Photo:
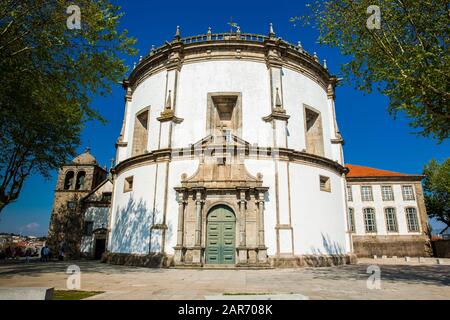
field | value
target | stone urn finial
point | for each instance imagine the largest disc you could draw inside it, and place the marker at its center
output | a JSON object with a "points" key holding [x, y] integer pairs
{"points": [[177, 34], [271, 32]]}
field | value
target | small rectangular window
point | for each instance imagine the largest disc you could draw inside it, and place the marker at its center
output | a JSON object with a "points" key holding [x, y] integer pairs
{"points": [[313, 132], [408, 193], [128, 186], [140, 134], [106, 196], [366, 193], [72, 205], [325, 184], [349, 193], [88, 228], [387, 193]]}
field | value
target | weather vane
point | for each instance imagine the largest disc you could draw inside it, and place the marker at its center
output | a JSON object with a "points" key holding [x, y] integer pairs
{"points": [[233, 25]]}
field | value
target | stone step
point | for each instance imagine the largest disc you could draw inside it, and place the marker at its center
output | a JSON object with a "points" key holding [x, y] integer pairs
{"points": [[225, 267]]}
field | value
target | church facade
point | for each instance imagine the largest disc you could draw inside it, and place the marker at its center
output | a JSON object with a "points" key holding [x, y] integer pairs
{"points": [[230, 154]]}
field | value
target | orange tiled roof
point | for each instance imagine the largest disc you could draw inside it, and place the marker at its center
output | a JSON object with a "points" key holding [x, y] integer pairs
{"points": [[361, 171]]}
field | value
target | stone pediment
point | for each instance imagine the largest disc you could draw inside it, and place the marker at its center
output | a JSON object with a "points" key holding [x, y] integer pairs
{"points": [[221, 167], [221, 140]]}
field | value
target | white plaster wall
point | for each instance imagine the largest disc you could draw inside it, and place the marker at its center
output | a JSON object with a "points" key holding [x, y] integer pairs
{"points": [[177, 168], [318, 217], [99, 215], [297, 91], [379, 205], [250, 78], [198, 79], [135, 212], [132, 212], [150, 93], [87, 244], [267, 169]]}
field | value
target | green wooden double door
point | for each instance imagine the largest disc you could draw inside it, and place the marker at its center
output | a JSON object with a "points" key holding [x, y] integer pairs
{"points": [[221, 236]]}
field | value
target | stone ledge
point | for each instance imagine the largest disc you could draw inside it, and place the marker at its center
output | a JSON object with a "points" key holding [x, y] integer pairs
{"points": [[252, 297], [165, 261], [137, 260], [312, 261], [26, 293]]}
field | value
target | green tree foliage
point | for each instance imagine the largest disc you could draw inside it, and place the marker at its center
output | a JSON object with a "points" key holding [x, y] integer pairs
{"points": [[407, 59], [49, 73], [437, 190]]}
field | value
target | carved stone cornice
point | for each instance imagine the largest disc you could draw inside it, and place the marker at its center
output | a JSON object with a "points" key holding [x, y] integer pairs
{"points": [[248, 152], [277, 114], [274, 48], [338, 141], [377, 180], [175, 57], [128, 89], [332, 87], [120, 142], [169, 115]]}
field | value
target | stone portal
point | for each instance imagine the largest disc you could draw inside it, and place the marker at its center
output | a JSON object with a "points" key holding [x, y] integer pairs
{"points": [[221, 207]]}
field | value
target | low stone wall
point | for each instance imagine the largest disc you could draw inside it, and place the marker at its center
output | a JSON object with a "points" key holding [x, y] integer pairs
{"points": [[312, 261], [400, 246], [165, 261], [137, 260], [441, 248]]}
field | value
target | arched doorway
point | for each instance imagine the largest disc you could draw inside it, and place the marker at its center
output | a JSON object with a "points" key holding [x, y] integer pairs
{"points": [[221, 236]]}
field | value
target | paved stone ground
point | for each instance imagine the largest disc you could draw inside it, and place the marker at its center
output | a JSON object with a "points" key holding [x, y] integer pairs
{"points": [[344, 282]]}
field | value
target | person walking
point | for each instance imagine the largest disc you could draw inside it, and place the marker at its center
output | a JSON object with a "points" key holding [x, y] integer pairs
{"points": [[27, 255], [42, 254], [8, 253], [61, 251], [46, 252]]}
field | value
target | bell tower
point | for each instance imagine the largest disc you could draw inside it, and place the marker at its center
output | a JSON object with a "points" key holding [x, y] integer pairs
{"points": [[75, 181]]}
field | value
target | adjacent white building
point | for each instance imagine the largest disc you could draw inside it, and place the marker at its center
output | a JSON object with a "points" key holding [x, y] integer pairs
{"points": [[386, 213]]}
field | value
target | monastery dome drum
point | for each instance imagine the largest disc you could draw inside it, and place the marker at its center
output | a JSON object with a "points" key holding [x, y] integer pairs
{"points": [[230, 153]]}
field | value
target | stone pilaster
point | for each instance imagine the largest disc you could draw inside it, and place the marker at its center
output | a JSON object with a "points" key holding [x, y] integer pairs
{"points": [[198, 218], [243, 218], [168, 117], [122, 141], [279, 120], [262, 249], [336, 137], [180, 236], [178, 259], [197, 250], [242, 249]]}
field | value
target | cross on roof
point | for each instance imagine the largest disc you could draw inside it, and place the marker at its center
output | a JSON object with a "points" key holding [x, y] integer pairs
{"points": [[232, 25]]}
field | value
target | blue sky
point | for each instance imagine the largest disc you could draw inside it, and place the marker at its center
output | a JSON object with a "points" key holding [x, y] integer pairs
{"points": [[372, 137]]}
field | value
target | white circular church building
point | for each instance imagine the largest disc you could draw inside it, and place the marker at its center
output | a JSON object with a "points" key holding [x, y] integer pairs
{"points": [[229, 154]]}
